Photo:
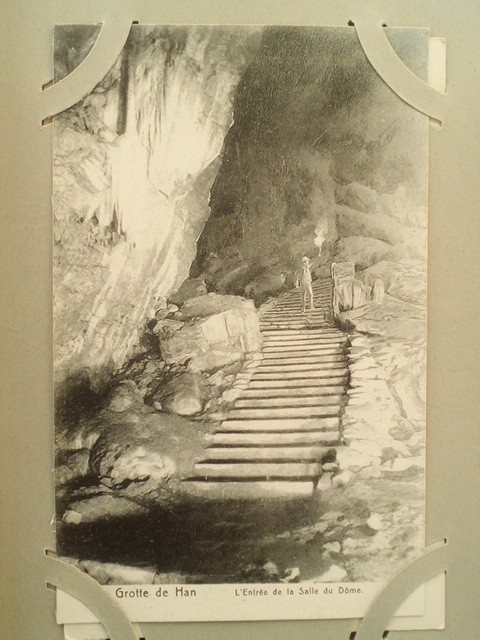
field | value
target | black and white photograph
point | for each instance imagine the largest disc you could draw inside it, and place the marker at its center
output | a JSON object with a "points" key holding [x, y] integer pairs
{"points": [[240, 271]]}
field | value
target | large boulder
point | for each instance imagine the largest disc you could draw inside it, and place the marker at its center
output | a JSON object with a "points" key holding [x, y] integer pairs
{"points": [[265, 286], [232, 279], [101, 507], [147, 461], [365, 252], [122, 405], [166, 326], [402, 207], [218, 331], [191, 288], [74, 467], [209, 305], [184, 395], [374, 227], [406, 280], [357, 196], [124, 396], [356, 223], [226, 274]]}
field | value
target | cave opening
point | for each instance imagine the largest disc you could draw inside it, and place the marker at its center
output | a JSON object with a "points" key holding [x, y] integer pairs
{"points": [[296, 110]]}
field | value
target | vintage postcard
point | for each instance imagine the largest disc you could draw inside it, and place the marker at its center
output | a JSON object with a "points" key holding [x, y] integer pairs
{"points": [[240, 237]]}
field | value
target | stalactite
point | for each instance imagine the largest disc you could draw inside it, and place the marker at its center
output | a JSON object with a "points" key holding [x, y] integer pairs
{"points": [[123, 92], [146, 162]]}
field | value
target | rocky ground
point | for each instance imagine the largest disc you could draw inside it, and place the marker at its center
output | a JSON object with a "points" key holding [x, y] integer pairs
{"points": [[122, 513], [146, 432]]}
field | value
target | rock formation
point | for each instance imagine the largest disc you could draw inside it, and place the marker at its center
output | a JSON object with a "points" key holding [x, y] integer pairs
{"points": [[134, 162], [187, 187], [331, 165]]}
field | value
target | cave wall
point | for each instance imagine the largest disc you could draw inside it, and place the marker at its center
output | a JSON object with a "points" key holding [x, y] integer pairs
{"points": [[133, 165], [263, 144], [322, 159]]}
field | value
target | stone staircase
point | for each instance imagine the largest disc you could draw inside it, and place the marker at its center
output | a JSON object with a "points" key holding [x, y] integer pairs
{"points": [[281, 430]]}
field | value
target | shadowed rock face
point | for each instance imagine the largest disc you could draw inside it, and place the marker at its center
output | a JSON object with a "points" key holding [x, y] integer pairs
{"points": [[321, 155], [127, 450], [134, 162]]}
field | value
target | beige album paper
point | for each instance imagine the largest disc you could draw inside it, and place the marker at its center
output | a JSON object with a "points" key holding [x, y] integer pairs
{"points": [[240, 253]]}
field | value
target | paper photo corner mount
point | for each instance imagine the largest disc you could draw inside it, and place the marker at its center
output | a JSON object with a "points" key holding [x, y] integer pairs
{"points": [[59, 96], [61, 575], [428, 98]]}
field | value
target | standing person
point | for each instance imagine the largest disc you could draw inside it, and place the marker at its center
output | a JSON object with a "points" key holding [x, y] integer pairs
{"points": [[304, 281]]}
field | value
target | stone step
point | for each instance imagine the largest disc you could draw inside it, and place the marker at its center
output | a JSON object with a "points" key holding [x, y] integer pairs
{"points": [[274, 318], [250, 490], [297, 312], [327, 373], [297, 299], [323, 332], [317, 312], [287, 313], [258, 470], [295, 294], [316, 286], [278, 357], [287, 362], [295, 326], [295, 383], [320, 311], [291, 425], [296, 306], [327, 329], [293, 392], [330, 363], [309, 319], [285, 412], [262, 454], [272, 439], [321, 438], [304, 322], [301, 350], [325, 438], [308, 333], [297, 302], [271, 444], [302, 338], [306, 337], [289, 401], [289, 342]]}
